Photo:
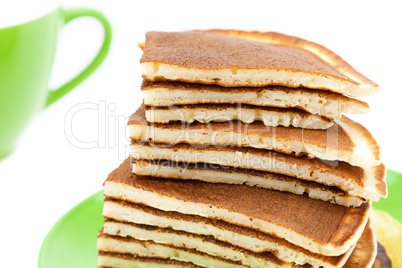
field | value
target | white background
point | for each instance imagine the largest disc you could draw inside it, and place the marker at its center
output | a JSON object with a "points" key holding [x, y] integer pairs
{"points": [[49, 173]]}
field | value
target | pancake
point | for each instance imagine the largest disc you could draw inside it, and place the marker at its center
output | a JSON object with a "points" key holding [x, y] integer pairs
{"points": [[382, 260], [124, 212], [365, 251], [184, 242], [150, 249], [221, 174], [205, 113], [117, 260], [324, 103], [318, 226], [114, 260], [346, 140], [237, 58], [364, 255], [367, 183]]}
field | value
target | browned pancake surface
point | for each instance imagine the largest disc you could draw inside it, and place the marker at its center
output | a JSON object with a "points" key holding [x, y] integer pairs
{"points": [[365, 250], [321, 221], [288, 40], [205, 50], [333, 260]]}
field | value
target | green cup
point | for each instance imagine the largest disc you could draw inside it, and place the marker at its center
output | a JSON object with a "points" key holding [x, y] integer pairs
{"points": [[26, 57]]}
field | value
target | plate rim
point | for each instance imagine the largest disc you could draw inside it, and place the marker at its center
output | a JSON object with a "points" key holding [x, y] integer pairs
{"points": [[60, 221]]}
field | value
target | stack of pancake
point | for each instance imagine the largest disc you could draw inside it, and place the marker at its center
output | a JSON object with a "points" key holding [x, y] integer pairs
{"points": [[242, 157]]}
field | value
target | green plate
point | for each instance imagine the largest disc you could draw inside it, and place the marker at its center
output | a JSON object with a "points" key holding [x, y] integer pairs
{"points": [[72, 240]]}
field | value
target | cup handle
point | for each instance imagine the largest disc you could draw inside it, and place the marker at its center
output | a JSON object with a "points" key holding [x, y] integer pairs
{"points": [[69, 15]]}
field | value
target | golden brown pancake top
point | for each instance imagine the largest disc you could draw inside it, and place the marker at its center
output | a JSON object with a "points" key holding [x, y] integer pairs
{"points": [[320, 221], [288, 40], [205, 50]]}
